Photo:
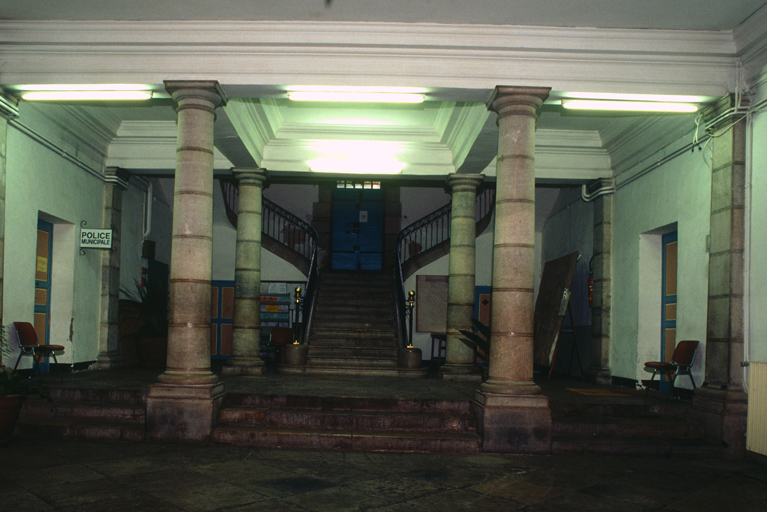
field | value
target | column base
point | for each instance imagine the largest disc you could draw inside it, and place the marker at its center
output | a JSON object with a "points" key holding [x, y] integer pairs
{"points": [[182, 413], [461, 372], [722, 413], [595, 375], [513, 423], [243, 366], [108, 360]]}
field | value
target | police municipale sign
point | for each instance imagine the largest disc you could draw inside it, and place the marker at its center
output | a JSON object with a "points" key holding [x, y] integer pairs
{"points": [[96, 238]]}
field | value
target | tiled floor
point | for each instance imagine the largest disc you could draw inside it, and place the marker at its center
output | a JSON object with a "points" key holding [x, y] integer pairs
{"points": [[67, 475]]}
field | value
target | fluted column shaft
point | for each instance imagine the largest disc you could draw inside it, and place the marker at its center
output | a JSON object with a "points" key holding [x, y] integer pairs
{"points": [[460, 359], [192, 244], [247, 275], [109, 338], [511, 352]]}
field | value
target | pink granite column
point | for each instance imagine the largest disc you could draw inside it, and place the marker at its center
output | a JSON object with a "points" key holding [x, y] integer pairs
{"points": [[184, 404], [246, 329], [460, 360], [513, 415], [115, 182]]}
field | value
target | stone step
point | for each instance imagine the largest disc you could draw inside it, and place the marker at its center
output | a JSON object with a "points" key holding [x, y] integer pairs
{"points": [[361, 351], [354, 332], [634, 446], [125, 396], [81, 429], [352, 361], [102, 410], [348, 440], [632, 410], [347, 403], [314, 369], [620, 427], [361, 321], [346, 420]]}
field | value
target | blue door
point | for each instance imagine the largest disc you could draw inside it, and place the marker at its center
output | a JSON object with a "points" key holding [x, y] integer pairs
{"points": [[42, 311], [357, 239], [668, 300]]}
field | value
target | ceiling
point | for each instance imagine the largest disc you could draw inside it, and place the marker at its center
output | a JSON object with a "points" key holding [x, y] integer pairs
{"points": [[646, 14], [448, 133]]}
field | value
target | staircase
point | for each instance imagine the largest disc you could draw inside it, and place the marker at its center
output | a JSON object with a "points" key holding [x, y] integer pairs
{"points": [[656, 429], [347, 424], [86, 413], [354, 327]]}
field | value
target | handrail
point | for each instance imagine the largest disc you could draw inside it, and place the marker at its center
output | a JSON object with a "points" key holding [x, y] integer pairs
{"points": [[427, 233], [289, 231], [434, 228]]}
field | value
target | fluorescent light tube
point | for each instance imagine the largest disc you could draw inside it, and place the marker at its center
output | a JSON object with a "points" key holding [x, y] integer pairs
{"points": [[86, 95], [361, 97], [629, 106]]}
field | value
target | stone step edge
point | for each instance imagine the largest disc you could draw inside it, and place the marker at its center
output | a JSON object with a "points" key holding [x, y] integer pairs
{"points": [[351, 403], [355, 412], [635, 446]]}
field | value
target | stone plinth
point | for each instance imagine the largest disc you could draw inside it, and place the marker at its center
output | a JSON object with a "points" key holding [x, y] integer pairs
{"points": [[513, 424], [182, 413], [409, 357]]}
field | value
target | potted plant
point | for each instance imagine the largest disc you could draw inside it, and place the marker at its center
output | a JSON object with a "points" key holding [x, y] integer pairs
{"points": [[13, 389]]}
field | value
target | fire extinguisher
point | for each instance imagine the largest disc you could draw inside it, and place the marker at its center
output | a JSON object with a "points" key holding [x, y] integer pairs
{"points": [[591, 282]]}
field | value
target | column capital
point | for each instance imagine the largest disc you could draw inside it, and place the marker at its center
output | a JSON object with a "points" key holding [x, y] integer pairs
{"points": [[208, 90], [250, 175], [457, 180], [524, 100], [116, 176]]}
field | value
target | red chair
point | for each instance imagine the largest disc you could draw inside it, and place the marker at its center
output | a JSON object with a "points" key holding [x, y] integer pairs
{"points": [[28, 345], [680, 364]]}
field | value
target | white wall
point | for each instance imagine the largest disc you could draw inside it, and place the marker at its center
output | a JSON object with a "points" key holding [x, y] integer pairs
{"points": [[676, 195], [41, 183]]}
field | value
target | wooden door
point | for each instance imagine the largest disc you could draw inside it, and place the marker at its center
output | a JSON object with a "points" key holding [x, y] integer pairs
{"points": [[668, 298], [42, 312]]}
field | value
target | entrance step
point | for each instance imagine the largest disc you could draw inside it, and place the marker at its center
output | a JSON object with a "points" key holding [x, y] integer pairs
{"points": [[347, 424], [629, 428], [117, 415]]}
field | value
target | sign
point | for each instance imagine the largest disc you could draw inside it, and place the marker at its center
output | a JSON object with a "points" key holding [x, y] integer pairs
{"points": [[96, 238]]}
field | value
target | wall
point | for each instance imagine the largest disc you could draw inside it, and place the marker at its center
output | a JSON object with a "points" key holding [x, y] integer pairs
{"points": [[676, 195], [42, 183]]}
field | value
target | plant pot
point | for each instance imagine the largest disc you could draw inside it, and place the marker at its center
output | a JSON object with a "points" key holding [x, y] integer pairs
{"points": [[410, 357], [10, 406], [152, 352], [295, 354]]}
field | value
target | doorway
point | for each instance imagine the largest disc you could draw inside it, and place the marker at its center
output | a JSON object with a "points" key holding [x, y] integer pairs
{"points": [[358, 226]]}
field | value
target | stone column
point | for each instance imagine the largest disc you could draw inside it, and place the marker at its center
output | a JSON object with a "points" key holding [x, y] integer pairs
{"points": [[184, 404], [599, 367], [720, 404], [512, 414], [8, 111], [460, 360], [115, 182], [246, 329]]}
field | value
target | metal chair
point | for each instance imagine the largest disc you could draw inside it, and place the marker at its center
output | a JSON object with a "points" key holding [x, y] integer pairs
{"points": [[29, 345], [680, 364]]}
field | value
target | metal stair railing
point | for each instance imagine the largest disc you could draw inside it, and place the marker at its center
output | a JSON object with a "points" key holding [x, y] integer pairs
{"points": [[289, 231], [427, 234]]}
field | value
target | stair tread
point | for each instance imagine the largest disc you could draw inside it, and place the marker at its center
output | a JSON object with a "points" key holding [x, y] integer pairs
{"points": [[354, 433]]}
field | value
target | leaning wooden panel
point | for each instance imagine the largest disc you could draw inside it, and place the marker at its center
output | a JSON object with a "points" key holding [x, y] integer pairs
{"points": [[551, 306]]}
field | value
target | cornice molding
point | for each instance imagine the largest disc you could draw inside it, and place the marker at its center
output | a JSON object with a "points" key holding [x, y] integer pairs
{"points": [[474, 57]]}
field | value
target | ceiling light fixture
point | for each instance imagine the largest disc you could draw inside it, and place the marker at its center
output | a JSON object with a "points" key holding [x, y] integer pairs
{"points": [[629, 106], [356, 166], [79, 95], [668, 98], [359, 97]]}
